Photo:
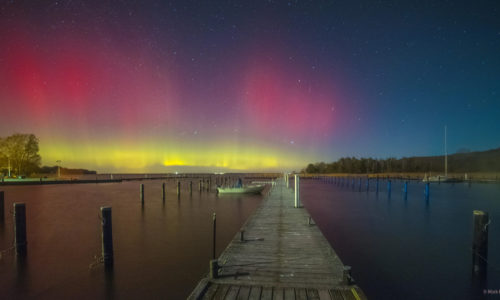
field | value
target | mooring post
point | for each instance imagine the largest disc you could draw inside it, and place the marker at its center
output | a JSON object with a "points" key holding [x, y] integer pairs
{"points": [[376, 185], [426, 191], [297, 191], [214, 223], [405, 189], [178, 188], [200, 186], [347, 277], [2, 207], [107, 236], [214, 269], [190, 187], [163, 192], [367, 184], [20, 240], [141, 192], [480, 242], [359, 184], [389, 188]]}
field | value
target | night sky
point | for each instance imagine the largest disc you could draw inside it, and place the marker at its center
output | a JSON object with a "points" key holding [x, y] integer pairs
{"points": [[156, 86]]}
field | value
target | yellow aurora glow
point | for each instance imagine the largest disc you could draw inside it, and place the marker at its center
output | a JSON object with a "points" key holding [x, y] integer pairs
{"points": [[168, 157]]}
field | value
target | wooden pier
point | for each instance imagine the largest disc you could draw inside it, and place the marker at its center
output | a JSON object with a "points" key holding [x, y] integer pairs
{"points": [[280, 255]]}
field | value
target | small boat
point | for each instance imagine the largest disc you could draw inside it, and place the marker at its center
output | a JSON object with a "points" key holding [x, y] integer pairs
{"points": [[442, 178], [250, 189]]}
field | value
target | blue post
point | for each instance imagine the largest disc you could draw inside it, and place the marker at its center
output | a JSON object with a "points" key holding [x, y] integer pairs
{"points": [[426, 192], [389, 188], [405, 189]]}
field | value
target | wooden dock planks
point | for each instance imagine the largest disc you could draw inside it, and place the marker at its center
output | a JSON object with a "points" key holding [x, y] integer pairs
{"points": [[282, 257]]}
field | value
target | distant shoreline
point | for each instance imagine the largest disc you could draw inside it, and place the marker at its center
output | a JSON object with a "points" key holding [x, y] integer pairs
{"points": [[473, 176]]}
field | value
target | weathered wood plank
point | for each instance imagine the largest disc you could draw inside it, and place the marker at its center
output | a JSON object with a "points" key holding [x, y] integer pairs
{"points": [[243, 293], [278, 294], [255, 293], [289, 293], [232, 293], [267, 293], [312, 294], [221, 292]]}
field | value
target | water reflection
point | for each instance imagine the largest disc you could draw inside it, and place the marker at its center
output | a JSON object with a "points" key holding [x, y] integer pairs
{"points": [[408, 243], [161, 247]]}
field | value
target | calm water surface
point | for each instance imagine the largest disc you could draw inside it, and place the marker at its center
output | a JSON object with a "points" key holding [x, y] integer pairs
{"points": [[398, 249], [161, 251], [408, 249]]}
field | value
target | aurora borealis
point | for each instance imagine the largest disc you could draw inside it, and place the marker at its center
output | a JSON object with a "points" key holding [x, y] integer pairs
{"points": [[156, 86]]}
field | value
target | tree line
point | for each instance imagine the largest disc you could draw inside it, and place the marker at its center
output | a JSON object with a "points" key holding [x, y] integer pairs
{"points": [[19, 154], [484, 161]]}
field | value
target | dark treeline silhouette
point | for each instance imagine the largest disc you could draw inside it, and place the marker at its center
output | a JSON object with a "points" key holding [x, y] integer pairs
{"points": [[483, 161], [65, 171]]}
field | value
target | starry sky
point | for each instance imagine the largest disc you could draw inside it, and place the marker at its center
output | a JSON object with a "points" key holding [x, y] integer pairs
{"points": [[160, 86]]}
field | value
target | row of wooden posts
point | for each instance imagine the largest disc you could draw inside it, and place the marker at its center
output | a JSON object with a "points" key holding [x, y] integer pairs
{"points": [[481, 221], [479, 244], [344, 181]]}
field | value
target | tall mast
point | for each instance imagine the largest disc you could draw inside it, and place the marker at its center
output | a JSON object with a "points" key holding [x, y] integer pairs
{"points": [[445, 155]]}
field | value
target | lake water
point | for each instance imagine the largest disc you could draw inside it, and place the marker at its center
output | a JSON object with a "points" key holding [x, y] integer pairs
{"points": [[161, 251], [408, 249], [398, 249]]}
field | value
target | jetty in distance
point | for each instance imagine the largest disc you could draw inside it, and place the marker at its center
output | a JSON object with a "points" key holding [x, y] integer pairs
{"points": [[278, 254]]}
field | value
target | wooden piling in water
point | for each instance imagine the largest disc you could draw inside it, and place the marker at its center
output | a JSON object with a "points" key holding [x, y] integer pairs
{"points": [[190, 187], [107, 236], [141, 192], [2, 207], [178, 188], [214, 238], [480, 243], [163, 192], [20, 240]]}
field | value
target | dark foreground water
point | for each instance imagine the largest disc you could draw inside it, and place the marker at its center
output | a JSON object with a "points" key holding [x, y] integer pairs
{"points": [[409, 249], [398, 249], [161, 251]]}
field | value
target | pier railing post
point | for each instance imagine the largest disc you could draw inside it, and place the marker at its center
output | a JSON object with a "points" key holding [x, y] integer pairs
{"points": [[20, 240], [297, 191], [107, 236], [480, 243]]}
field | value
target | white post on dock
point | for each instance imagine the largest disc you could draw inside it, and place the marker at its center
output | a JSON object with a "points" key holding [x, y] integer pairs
{"points": [[297, 191]]}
